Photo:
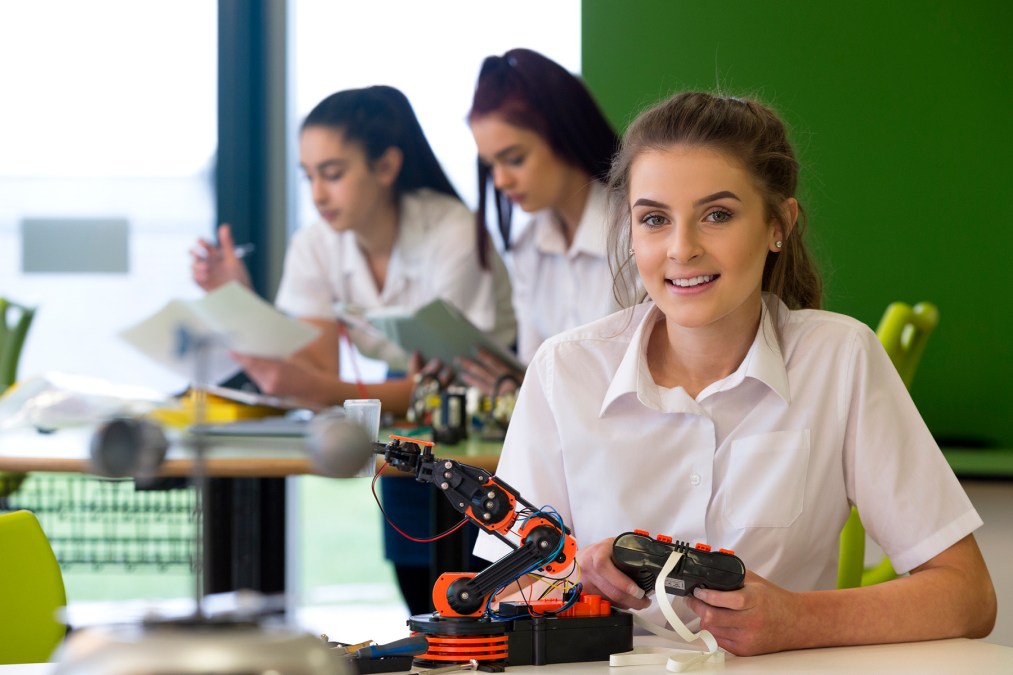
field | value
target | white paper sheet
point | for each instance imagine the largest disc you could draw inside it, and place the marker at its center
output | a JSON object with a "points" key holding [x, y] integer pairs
{"points": [[232, 317]]}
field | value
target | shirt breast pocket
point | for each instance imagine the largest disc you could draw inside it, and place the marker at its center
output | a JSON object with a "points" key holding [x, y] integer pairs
{"points": [[767, 478]]}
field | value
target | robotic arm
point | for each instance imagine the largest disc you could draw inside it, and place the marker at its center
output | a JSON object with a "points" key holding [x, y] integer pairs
{"points": [[545, 542]]}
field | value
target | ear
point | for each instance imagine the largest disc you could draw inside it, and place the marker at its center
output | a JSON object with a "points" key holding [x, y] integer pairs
{"points": [[387, 166], [784, 226]]}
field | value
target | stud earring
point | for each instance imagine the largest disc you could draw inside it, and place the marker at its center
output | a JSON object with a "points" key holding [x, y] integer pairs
{"points": [[631, 251], [778, 244]]}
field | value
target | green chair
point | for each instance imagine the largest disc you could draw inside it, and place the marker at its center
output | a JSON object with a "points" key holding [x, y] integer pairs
{"points": [[31, 591], [15, 320], [903, 330]]}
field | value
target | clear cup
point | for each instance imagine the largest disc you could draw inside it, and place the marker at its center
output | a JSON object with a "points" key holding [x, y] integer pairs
{"points": [[366, 413]]}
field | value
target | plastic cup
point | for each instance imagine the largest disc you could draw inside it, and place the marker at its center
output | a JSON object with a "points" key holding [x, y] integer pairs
{"points": [[366, 413]]}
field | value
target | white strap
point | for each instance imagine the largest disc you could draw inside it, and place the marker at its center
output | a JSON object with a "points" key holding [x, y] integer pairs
{"points": [[675, 660]]}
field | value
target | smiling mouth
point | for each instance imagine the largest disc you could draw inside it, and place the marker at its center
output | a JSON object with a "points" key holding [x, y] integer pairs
{"points": [[693, 281]]}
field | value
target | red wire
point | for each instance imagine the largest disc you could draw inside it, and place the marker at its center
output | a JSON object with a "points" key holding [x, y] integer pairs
{"points": [[343, 331], [399, 530]]}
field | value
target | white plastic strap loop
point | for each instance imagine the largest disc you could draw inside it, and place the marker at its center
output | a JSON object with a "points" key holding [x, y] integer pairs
{"points": [[675, 660]]}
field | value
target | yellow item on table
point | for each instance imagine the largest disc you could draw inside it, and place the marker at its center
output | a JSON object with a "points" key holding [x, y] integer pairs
{"points": [[217, 410]]}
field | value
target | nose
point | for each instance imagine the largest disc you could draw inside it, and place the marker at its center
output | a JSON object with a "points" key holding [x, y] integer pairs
{"points": [[684, 244], [317, 191], [500, 177]]}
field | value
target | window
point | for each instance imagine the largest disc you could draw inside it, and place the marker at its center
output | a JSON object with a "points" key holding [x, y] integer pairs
{"points": [[108, 132]]}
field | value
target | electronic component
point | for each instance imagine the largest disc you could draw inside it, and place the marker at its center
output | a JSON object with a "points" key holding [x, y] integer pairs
{"points": [[464, 627], [641, 558]]}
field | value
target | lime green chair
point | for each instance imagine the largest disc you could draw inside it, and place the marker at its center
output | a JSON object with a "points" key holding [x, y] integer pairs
{"points": [[15, 320], [31, 591], [903, 330]]}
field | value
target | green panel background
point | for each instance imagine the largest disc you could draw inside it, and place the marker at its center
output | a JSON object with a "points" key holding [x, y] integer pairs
{"points": [[902, 114]]}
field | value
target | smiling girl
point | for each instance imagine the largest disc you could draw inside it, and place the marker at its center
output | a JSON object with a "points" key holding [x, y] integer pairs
{"points": [[392, 233], [730, 409]]}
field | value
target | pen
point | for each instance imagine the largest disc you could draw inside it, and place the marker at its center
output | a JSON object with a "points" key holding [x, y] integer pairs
{"points": [[244, 250], [241, 251]]}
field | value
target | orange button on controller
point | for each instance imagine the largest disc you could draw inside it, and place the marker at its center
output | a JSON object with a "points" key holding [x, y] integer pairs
{"points": [[703, 547], [664, 538]]}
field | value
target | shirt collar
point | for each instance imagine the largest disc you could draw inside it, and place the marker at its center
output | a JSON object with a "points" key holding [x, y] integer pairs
{"points": [[768, 365], [763, 362], [409, 237], [590, 235]]}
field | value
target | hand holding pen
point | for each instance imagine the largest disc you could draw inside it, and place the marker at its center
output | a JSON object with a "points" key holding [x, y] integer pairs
{"points": [[214, 266]]}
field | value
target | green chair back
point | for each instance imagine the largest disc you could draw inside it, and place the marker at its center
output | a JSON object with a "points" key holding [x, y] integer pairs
{"points": [[903, 331], [31, 591], [15, 321]]}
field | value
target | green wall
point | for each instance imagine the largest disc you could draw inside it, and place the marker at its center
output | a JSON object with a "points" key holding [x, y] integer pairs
{"points": [[902, 114]]}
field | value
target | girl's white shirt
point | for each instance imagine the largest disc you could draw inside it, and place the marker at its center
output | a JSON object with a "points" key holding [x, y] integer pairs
{"points": [[766, 461], [557, 288], [434, 256]]}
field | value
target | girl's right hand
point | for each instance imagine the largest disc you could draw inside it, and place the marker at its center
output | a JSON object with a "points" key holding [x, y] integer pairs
{"points": [[214, 266], [601, 577]]}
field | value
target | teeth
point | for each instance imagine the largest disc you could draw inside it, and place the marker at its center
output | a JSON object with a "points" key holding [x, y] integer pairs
{"points": [[694, 281]]}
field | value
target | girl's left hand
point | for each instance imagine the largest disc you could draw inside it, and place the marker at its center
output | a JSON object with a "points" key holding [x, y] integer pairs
{"points": [[759, 618], [484, 371]]}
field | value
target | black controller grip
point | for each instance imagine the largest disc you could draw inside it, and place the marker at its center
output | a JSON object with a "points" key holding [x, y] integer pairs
{"points": [[641, 558]]}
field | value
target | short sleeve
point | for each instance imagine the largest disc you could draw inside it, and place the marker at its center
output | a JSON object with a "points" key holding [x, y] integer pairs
{"points": [[910, 501], [304, 290]]}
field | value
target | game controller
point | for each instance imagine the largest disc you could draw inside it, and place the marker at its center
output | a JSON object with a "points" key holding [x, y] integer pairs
{"points": [[641, 558]]}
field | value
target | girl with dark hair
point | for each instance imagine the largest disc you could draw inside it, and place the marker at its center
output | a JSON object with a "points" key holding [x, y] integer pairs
{"points": [[730, 409], [392, 233], [545, 146]]}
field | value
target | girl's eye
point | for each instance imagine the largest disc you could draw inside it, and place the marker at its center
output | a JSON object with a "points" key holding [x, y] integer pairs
{"points": [[514, 161], [333, 176], [719, 216], [653, 220]]}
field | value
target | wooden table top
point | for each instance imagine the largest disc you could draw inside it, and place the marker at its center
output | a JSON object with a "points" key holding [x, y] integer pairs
{"points": [[66, 450]]}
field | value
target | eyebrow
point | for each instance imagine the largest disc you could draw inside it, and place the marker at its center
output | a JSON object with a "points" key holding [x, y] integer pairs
{"points": [[327, 164], [650, 203], [506, 151], [716, 196]]}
